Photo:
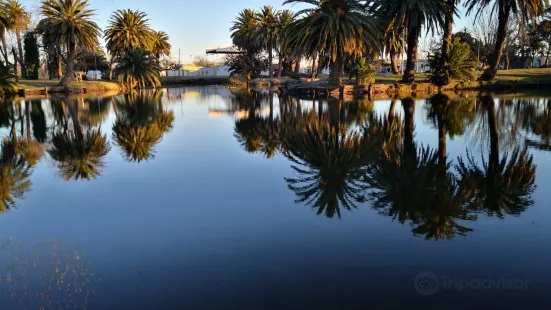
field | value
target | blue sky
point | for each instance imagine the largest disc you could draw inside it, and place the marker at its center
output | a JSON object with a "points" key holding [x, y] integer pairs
{"points": [[191, 24]]}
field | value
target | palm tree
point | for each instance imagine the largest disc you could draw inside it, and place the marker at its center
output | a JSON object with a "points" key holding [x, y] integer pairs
{"points": [[504, 184], [128, 30], [14, 175], [7, 80], [72, 20], [338, 27], [160, 45], [52, 45], [525, 10], [79, 154], [243, 30], [4, 26], [19, 20], [412, 16], [267, 32], [286, 17], [138, 68]]}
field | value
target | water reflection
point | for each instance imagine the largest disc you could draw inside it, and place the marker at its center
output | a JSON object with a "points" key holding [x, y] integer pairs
{"points": [[140, 124], [78, 153], [347, 155]]}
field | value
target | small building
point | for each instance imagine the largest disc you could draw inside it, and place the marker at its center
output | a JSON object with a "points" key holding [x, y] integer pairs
{"points": [[93, 75]]}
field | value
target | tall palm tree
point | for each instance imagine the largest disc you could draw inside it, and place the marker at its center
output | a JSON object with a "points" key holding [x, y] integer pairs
{"points": [[19, 20], [51, 43], [160, 45], [137, 68], [339, 27], [14, 175], [285, 18], [524, 10], [448, 31], [79, 154], [128, 30], [72, 20], [412, 16], [243, 29], [5, 24], [504, 184], [267, 32]]}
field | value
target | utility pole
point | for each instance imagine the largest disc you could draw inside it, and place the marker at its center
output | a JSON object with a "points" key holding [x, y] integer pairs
{"points": [[179, 59]]}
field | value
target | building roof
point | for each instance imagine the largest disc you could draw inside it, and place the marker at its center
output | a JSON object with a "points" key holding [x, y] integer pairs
{"points": [[223, 50]]}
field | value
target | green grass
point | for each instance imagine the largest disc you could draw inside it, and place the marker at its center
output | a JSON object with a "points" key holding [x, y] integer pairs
{"points": [[536, 75]]}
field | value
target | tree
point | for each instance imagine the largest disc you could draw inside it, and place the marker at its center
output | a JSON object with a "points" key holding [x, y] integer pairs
{"points": [[8, 84], [92, 61], [414, 15], [73, 22], [338, 27], [19, 20], [128, 30], [138, 68], [285, 18], [460, 64], [525, 10], [203, 62], [5, 24], [52, 47], [160, 45], [243, 30], [267, 32], [32, 56], [250, 65]]}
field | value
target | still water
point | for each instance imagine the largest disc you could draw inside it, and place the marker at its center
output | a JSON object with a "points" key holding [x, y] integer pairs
{"points": [[211, 198]]}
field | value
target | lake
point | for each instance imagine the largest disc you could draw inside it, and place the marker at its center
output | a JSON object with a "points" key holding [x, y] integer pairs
{"points": [[216, 198]]}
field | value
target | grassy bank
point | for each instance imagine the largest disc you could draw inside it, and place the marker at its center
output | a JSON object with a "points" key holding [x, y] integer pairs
{"points": [[43, 87], [195, 80]]}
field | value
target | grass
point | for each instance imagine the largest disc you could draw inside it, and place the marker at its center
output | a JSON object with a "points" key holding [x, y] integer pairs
{"points": [[30, 84], [535, 75]]}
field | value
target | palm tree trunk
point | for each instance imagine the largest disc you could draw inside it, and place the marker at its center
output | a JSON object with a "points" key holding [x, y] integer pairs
{"points": [[442, 133], [4, 46], [279, 65], [394, 63], [28, 119], [504, 8], [21, 57], [270, 59], [67, 78], [413, 44], [335, 74], [313, 70], [297, 65], [409, 110], [448, 28], [391, 111], [72, 105]]}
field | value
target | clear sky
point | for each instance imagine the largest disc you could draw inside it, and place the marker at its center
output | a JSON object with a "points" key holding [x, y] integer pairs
{"points": [[191, 24]]}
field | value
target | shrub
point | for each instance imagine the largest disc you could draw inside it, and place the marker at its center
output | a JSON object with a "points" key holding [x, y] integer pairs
{"points": [[461, 65]]}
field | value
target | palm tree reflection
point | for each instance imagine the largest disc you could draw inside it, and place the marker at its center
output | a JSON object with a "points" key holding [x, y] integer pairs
{"points": [[328, 163], [15, 172], [504, 183], [79, 153], [412, 184], [140, 125]]}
